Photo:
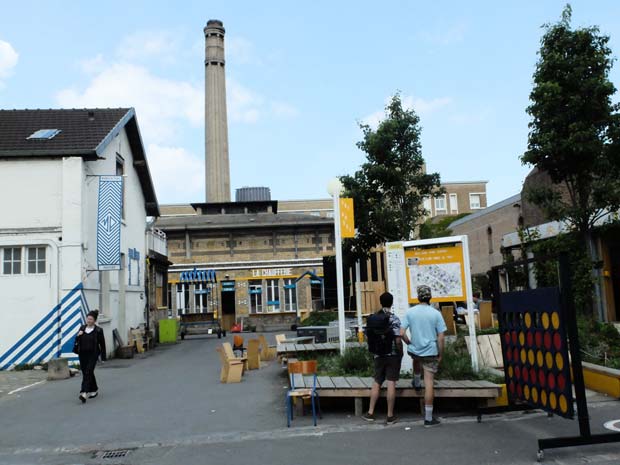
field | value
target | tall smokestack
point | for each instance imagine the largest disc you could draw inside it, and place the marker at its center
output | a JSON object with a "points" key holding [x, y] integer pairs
{"points": [[217, 165]]}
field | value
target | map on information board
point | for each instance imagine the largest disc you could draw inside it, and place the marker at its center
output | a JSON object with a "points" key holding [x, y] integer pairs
{"points": [[444, 279], [441, 268]]}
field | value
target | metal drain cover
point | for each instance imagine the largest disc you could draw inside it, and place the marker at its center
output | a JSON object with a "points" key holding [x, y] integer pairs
{"points": [[114, 454]]}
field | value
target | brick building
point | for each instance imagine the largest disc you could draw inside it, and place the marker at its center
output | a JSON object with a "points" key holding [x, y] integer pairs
{"points": [[269, 264]]}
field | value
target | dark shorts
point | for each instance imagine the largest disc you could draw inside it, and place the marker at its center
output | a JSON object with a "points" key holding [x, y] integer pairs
{"points": [[428, 363], [387, 368]]}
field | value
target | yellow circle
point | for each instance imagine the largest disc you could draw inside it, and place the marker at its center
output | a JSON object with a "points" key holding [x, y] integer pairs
{"points": [[521, 338], [563, 403], [555, 320], [540, 359], [528, 320], [559, 361], [526, 392], [549, 360], [553, 400], [510, 372], [535, 395], [545, 320], [543, 398], [523, 356], [530, 357]]}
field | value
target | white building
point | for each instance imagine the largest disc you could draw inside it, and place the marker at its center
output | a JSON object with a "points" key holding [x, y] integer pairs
{"points": [[50, 161]]}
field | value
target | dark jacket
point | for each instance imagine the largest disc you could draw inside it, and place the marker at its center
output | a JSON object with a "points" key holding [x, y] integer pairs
{"points": [[100, 344]]}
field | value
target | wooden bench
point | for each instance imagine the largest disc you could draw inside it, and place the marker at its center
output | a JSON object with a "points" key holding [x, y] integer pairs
{"points": [[358, 388]]}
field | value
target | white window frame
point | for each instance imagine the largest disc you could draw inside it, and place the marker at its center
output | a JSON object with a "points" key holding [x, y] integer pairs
{"points": [[290, 295], [428, 205], [445, 203], [273, 294], [254, 286], [12, 261], [454, 203], [479, 195]]}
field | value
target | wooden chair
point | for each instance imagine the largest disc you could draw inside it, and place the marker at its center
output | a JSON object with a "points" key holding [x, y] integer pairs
{"points": [[228, 350], [308, 367], [253, 354], [232, 370], [485, 315], [267, 352], [448, 316], [238, 344]]}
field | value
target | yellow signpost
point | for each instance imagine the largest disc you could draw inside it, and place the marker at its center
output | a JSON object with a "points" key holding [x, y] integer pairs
{"points": [[347, 220]]}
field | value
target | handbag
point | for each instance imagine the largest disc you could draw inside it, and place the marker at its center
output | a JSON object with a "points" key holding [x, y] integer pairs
{"points": [[76, 342]]}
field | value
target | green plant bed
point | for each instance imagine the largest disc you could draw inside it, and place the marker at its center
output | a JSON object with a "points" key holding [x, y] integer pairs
{"points": [[319, 318], [463, 330], [456, 364], [600, 342]]}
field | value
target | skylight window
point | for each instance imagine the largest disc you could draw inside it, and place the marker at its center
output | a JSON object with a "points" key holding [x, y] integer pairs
{"points": [[44, 134]]}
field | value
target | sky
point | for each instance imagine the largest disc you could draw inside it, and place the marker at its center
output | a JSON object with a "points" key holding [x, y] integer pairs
{"points": [[300, 78]]}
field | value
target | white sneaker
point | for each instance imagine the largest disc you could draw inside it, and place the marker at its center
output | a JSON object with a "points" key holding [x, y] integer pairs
{"points": [[92, 395]]}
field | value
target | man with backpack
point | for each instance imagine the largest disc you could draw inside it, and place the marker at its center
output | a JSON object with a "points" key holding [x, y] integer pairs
{"points": [[384, 342]]}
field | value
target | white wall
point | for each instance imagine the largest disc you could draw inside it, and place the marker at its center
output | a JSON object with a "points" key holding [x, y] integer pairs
{"points": [[54, 203]]}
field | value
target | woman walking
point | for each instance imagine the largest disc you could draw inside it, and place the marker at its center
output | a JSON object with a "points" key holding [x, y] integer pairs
{"points": [[89, 345]]}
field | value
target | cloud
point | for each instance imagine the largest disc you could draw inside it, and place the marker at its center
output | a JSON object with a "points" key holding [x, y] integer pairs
{"points": [[8, 59], [170, 164], [145, 45], [241, 51], [284, 109], [423, 107], [92, 65], [161, 104]]}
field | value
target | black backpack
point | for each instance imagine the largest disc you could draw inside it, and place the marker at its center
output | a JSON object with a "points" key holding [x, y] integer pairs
{"points": [[379, 333]]}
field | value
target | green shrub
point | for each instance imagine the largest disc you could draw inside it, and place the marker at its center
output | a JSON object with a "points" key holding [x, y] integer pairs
{"points": [[456, 364], [600, 342], [320, 318]]}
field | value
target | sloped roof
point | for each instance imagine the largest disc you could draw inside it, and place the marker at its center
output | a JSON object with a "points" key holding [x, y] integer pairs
{"points": [[234, 221], [83, 133]]}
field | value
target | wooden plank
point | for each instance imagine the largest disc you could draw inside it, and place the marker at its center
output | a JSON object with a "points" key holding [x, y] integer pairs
{"points": [[367, 381], [486, 351], [340, 382], [487, 393], [325, 382], [496, 345], [403, 384], [486, 384], [445, 384], [355, 382], [470, 384], [298, 379]]}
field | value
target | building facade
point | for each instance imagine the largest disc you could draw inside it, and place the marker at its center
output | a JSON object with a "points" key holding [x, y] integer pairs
{"points": [[485, 230], [50, 161], [269, 265], [460, 197]]}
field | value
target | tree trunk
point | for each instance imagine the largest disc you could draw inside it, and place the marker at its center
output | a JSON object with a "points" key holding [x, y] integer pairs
{"points": [[598, 299]]}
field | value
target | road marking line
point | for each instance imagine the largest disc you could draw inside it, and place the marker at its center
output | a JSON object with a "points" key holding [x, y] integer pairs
{"points": [[24, 387], [613, 425]]}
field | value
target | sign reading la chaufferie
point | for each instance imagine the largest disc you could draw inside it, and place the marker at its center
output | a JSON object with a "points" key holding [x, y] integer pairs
{"points": [[271, 272]]}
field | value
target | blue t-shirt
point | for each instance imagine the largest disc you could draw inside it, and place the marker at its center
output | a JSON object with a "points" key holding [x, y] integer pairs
{"points": [[424, 324]]}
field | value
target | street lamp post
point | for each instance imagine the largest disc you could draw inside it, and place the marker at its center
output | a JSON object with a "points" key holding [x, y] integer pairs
{"points": [[334, 188]]}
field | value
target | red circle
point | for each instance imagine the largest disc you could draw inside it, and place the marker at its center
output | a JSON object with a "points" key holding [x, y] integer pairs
{"points": [[530, 339], [541, 378], [514, 338], [519, 391], [547, 341], [509, 355], [511, 387], [539, 338], [557, 341], [533, 375], [507, 338], [526, 375], [518, 372], [561, 382], [515, 355], [551, 381]]}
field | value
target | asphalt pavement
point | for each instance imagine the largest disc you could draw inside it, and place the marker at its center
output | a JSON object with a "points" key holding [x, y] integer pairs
{"points": [[168, 407]]}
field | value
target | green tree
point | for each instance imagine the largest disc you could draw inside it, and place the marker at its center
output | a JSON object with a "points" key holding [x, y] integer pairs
{"points": [[438, 227], [389, 188], [575, 131]]}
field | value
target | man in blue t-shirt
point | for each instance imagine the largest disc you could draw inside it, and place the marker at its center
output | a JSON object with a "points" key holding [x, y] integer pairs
{"points": [[427, 329]]}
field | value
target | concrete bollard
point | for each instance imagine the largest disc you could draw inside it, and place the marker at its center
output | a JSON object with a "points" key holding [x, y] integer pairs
{"points": [[58, 368]]}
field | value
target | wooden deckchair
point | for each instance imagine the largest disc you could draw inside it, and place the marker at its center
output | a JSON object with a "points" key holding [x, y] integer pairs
{"points": [[267, 352], [253, 354], [232, 370], [228, 350]]}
